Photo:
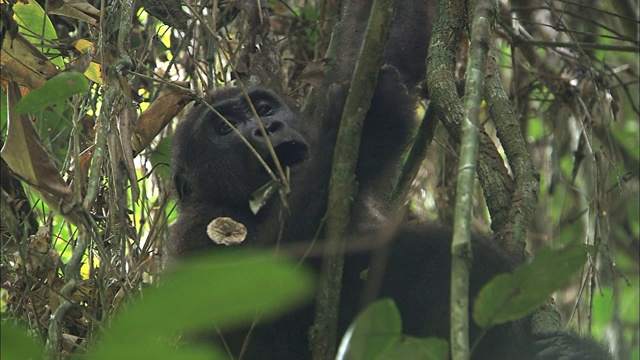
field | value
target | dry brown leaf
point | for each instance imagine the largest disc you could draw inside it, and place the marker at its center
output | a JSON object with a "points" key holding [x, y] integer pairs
{"points": [[127, 117], [22, 62], [169, 12], [82, 63], [313, 73], [127, 90], [77, 9], [7, 22], [169, 103], [43, 258], [28, 158]]}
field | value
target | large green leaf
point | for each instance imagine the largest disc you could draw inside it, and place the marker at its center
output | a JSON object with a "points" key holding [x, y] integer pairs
{"points": [[377, 334], [17, 344], [38, 28], [372, 332], [203, 294], [58, 88], [510, 297]]}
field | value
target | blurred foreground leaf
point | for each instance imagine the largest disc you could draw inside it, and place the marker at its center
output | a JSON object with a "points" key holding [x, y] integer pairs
{"points": [[17, 344], [205, 293]]}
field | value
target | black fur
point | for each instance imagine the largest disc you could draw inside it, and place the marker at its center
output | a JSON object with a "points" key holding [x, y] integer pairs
{"points": [[558, 345], [215, 175]]}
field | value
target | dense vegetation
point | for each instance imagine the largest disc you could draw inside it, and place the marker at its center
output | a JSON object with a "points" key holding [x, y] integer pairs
{"points": [[91, 93]]}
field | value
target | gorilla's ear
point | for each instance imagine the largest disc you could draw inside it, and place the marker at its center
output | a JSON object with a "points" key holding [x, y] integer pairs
{"points": [[181, 185]]}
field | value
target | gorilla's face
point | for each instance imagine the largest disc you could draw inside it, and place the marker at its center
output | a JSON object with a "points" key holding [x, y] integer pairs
{"points": [[221, 145]]}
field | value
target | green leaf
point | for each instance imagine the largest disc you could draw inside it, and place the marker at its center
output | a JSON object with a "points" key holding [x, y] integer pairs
{"points": [[58, 88], [161, 158], [38, 28], [490, 301], [411, 348], [372, 332], [216, 290], [4, 105], [17, 344], [510, 297], [377, 334]]}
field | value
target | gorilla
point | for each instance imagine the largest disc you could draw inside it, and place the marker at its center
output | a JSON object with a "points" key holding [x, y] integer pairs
{"points": [[221, 158]]}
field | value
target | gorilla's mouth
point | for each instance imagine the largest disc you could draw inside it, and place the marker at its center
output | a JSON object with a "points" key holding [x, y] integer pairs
{"points": [[289, 153]]}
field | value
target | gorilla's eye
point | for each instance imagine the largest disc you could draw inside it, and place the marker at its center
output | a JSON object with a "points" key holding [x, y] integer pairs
{"points": [[264, 108], [223, 128]]}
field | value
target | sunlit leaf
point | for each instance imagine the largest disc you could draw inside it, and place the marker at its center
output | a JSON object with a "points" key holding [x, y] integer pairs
{"points": [[37, 27], [94, 70], [169, 103]]}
